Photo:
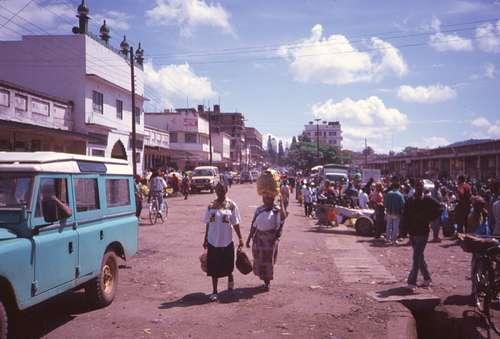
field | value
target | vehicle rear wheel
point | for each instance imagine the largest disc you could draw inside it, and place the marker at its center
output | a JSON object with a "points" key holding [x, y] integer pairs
{"points": [[364, 226], [3, 321], [101, 290], [153, 214]]}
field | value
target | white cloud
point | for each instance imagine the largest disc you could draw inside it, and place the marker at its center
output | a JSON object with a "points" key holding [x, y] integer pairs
{"points": [[432, 142], [115, 20], [49, 19], [176, 82], [488, 37], [334, 60], [463, 7], [189, 14], [426, 94], [489, 70], [365, 118], [443, 42], [486, 128]]}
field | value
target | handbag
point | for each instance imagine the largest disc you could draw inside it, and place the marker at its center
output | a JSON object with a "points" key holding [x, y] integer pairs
{"points": [[243, 263], [203, 262]]}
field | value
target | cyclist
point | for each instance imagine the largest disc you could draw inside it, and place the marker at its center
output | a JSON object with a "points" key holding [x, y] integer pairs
{"points": [[157, 186]]}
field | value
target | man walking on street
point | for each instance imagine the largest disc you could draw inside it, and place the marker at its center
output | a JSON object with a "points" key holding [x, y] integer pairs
{"points": [[393, 203], [464, 195], [419, 211]]}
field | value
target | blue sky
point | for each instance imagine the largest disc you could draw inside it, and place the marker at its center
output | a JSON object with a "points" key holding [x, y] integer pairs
{"points": [[421, 73]]}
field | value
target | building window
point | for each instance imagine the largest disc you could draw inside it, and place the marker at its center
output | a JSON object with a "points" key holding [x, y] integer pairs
{"points": [[21, 103], [119, 109], [36, 145], [190, 138], [86, 194], [40, 107], [173, 136], [4, 98], [97, 102], [137, 112], [117, 192], [97, 152]]}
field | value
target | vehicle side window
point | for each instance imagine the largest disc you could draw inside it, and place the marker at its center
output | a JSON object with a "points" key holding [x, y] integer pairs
{"points": [[86, 194], [117, 192], [49, 187]]}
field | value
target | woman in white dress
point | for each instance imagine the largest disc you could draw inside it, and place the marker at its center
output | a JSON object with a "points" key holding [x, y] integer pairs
{"points": [[221, 217]]}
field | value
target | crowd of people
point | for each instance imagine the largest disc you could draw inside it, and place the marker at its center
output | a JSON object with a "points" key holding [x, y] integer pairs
{"points": [[411, 208]]}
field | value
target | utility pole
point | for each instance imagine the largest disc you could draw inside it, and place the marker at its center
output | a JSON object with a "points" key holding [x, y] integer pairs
{"points": [[317, 136], [132, 82], [366, 153], [210, 133]]}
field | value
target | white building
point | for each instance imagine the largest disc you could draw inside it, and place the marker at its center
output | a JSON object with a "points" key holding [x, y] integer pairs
{"points": [[91, 75], [189, 137], [156, 148], [32, 121], [327, 132]]}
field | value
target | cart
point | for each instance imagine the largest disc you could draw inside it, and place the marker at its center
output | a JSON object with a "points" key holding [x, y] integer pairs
{"points": [[362, 218]]}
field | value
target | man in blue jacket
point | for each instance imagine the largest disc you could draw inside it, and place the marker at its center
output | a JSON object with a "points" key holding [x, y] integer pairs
{"points": [[393, 203]]}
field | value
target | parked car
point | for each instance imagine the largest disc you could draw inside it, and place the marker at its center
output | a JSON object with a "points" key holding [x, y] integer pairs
{"points": [[247, 177], [205, 178], [65, 220]]}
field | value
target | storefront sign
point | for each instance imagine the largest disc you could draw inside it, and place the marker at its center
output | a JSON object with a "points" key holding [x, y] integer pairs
{"points": [[190, 122]]}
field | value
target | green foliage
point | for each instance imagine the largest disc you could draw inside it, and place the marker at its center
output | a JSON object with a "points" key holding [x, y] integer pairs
{"points": [[304, 155]]}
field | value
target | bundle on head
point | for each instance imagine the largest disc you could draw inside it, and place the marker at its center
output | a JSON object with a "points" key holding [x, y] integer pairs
{"points": [[268, 183]]}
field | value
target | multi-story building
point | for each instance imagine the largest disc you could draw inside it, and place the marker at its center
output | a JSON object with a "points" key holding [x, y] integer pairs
{"points": [[253, 139], [232, 123], [34, 121], [85, 70], [478, 159], [326, 132], [188, 130], [156, 148]]}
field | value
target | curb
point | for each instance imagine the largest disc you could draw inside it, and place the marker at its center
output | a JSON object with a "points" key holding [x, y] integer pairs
{"points": [[403, 324]]}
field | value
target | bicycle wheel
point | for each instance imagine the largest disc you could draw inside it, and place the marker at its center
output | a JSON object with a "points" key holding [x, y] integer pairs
{"points": [[481, 283], [492, 311], [153, 213]]}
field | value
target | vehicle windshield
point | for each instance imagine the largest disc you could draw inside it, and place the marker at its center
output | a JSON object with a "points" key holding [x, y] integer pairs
{"points": [[203, 173], [15, 190], [336, 178]]}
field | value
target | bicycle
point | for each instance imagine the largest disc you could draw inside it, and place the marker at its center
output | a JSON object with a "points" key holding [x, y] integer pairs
{"points": [[485, 277], [157, 210]]}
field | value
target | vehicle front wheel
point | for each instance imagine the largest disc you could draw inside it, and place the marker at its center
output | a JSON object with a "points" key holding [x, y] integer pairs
{"points": [[3, 321], [101, 290]]}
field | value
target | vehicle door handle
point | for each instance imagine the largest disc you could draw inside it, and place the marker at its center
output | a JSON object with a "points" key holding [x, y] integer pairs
{"points": [[70, 247]]}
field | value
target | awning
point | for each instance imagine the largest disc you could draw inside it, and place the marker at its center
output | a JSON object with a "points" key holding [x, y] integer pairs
{"points": [[43, 130]]}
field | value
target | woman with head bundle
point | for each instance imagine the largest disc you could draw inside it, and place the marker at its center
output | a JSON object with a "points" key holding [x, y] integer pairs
{"points": [[266, 228]]}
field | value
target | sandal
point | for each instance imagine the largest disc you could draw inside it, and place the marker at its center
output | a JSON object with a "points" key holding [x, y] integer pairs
{"points": [[212, 297]]}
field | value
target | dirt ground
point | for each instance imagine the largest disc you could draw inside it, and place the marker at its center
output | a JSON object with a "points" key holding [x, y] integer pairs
{"points": [[163, 292]]}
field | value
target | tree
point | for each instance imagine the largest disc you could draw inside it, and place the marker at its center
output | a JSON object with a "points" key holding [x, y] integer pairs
{"points": [[294, 142], [304, 155], [368, 151]]}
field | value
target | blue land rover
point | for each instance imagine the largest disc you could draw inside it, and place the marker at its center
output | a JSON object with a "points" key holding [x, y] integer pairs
{"points": [[65, 220]]}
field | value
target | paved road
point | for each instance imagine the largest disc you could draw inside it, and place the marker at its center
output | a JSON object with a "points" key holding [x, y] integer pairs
{"points": [[162, 290]]}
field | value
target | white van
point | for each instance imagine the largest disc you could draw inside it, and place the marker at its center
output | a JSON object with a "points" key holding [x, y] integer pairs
{"points": [[204, 178]]}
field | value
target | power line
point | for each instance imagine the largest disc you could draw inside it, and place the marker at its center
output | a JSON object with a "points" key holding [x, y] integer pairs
{"points": [[17, 13], [290, 45]]}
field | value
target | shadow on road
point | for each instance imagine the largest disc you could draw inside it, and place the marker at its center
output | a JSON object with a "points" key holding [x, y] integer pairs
{"points": [[330, 230], [459, 300], [44, 318], [226, 297]]}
